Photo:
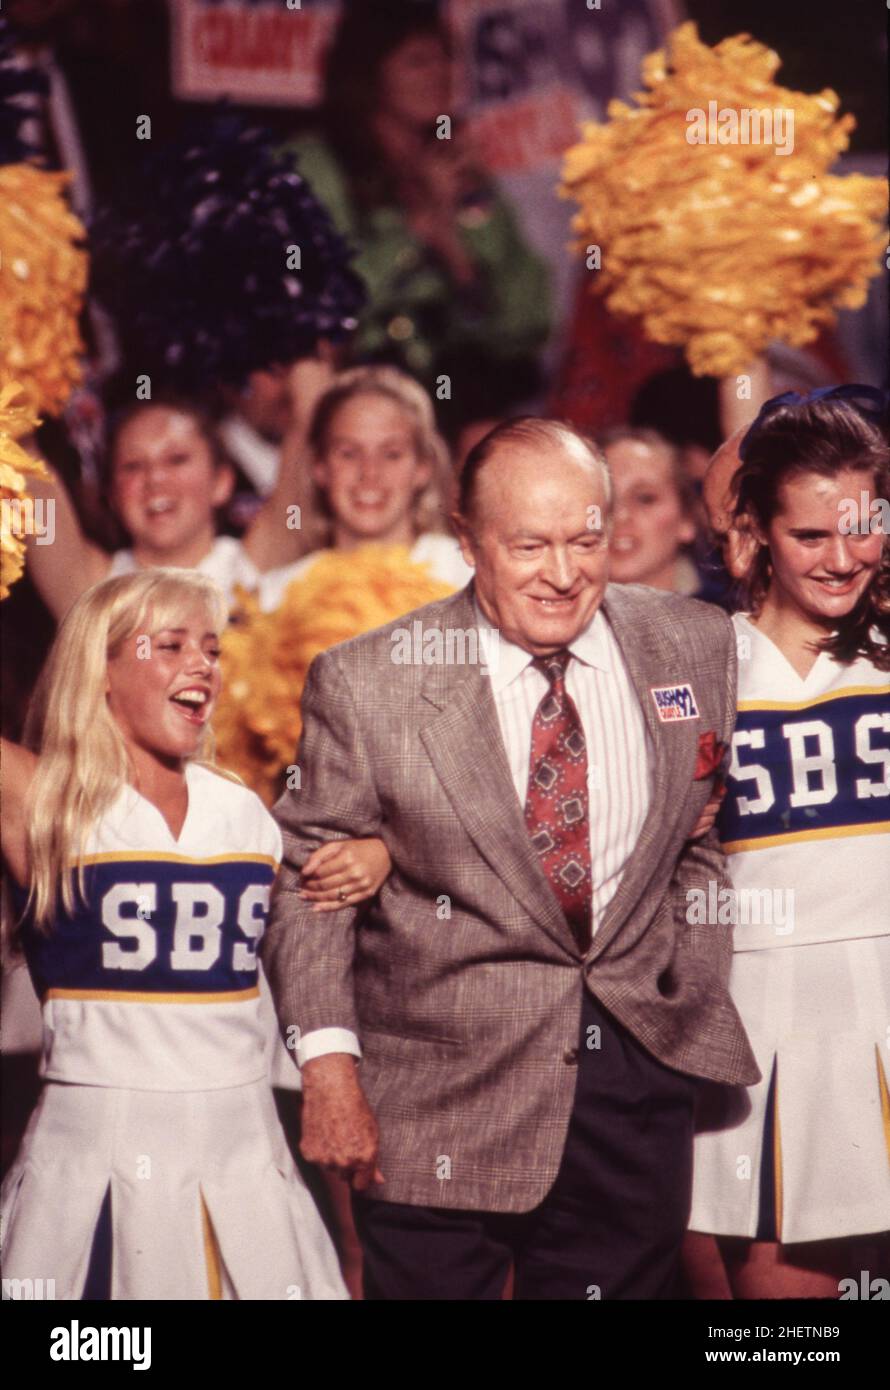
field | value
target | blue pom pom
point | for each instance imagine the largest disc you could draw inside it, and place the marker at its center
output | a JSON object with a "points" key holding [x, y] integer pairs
{"points": [[18, 78], [193, 260]]}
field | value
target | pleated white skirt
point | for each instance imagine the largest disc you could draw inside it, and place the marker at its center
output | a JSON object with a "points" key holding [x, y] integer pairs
{"points": [[821, 1013], [206, 1200]]}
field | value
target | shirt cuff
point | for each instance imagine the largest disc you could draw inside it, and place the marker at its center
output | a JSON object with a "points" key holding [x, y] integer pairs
{"points": [[320, 1041]]}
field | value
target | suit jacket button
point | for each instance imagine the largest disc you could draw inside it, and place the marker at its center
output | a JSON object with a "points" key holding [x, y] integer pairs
{"points": [[570, 1056]]}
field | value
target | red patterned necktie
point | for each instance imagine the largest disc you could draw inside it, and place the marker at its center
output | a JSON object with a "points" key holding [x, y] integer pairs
{"points": [[556, 808]]}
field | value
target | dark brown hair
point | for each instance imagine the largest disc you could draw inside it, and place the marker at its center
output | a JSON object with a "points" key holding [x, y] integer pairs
{"points": [[203, 419], [204, 422], [823, 437], [368, 32]]}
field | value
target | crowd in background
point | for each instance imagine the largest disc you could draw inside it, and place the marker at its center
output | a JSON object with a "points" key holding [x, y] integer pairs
{"points": [[457, 298]]}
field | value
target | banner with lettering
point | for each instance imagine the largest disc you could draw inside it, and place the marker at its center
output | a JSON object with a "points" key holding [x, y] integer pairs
{"points": [[260, 52], [532, 69], [527, 72]]}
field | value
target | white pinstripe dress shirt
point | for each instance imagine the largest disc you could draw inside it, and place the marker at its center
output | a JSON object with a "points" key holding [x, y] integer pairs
{"points": [[619, 760], [619, 757]]}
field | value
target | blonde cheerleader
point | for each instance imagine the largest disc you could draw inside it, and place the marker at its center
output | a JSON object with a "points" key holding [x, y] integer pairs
{"points": [[154, 1166]]}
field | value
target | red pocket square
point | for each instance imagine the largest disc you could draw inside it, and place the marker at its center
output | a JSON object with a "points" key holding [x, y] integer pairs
{"points": [[711, 753]]}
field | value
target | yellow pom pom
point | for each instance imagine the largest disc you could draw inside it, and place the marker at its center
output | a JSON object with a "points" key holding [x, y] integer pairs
{"points": [[16, 512], [722, 244], [265, 656], [43, 275]]}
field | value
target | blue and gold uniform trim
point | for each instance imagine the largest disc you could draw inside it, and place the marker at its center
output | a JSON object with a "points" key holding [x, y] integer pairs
{"points": [[848, 692], [819, 765], [212, 1257], [794, 837], [125, 856], [885, 1099], [132, 996], [158, 928]]}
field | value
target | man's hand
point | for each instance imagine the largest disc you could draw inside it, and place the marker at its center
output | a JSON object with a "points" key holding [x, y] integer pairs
{"points": [[339, 1130]]}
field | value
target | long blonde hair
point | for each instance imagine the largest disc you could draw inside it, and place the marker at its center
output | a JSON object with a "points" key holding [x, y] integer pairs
{"points": [[83, 761], [434, 502]]}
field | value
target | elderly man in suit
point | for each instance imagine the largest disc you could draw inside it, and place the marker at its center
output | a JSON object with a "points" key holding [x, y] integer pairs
{"points": [[501, 1051]]}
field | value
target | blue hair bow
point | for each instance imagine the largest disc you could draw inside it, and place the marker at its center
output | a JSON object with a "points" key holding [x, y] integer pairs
{"points": [[876, 410]]}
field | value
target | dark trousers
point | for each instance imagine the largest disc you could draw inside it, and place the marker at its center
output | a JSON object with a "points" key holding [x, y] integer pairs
{"points": [[611, 1225]]}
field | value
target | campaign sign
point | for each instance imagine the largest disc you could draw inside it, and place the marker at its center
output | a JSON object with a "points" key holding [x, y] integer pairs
{"points": [[261, 52]]}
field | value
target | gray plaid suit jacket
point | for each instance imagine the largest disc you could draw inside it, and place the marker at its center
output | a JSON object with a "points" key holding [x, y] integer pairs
{"points": [[462, 979]]}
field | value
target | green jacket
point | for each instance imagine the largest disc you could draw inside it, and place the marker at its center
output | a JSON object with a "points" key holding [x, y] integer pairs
{"points": [[415, 314]]}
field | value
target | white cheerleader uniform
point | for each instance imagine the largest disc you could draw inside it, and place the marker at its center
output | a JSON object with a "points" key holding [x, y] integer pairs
{"points": [[226, 563], [156, 1071], [806, 827], [441, 555]]}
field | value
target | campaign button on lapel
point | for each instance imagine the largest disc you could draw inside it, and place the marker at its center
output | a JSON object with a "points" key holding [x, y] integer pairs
{"points": [[674, 702]]}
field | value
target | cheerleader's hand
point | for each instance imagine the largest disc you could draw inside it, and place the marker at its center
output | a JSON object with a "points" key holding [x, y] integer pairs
{"points": [[307, 380], [708, 816], [344, 873]]}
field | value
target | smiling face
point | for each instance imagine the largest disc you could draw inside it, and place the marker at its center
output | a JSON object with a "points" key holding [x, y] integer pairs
{"points": [[819, 571], [536, 542], [165, 486], [650, 524], [161, 686], [370, 471]]}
